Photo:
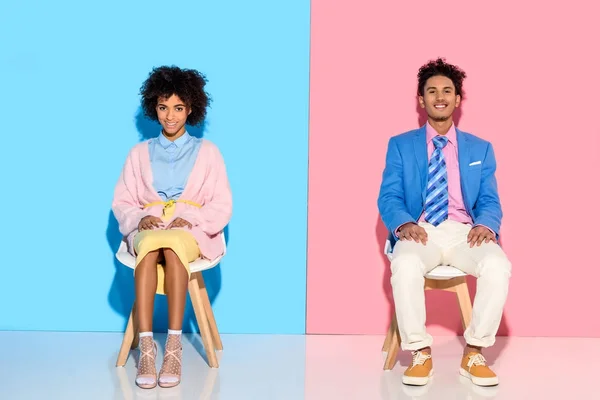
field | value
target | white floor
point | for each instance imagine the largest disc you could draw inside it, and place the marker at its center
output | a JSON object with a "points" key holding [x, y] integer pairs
{"points": [[45, 365]]}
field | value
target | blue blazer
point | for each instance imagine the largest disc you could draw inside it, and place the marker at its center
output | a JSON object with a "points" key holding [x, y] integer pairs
{"points": [[402, 192]]}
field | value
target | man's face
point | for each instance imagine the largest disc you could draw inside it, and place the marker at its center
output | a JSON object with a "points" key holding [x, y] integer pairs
{"points": [[439, 98]]}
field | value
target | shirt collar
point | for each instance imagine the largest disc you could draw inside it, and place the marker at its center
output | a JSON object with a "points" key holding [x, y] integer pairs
{"points": [[180, 141], [431, 133]]}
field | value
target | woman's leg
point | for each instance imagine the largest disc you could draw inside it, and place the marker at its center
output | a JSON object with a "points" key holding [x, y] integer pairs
{"points": [[176, 287], [145, 290]]}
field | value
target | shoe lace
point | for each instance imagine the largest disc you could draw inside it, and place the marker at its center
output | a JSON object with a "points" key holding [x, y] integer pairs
{"points": [[477, 360], [419, 358]]}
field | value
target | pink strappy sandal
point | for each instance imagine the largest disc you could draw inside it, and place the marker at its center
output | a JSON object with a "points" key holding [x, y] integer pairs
{"points": [[146, 373], [170, 372]]}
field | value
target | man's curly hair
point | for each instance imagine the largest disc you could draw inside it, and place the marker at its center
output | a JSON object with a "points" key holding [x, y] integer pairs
{"points": [[187, 84], [441, 67]]}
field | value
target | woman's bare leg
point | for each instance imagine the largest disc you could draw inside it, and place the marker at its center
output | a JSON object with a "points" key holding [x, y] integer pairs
{"points": [[176, 288], [145, 290]]}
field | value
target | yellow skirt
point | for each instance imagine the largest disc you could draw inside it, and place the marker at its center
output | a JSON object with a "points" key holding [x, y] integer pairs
{"points": [[181, 241]]}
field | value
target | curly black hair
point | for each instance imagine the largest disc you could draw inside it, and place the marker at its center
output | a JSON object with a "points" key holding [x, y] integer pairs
{"points": [[441, 67], [187, 84]]}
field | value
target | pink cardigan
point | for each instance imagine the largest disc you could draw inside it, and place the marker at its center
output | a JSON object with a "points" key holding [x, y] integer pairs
{"points": [[207, 185]]}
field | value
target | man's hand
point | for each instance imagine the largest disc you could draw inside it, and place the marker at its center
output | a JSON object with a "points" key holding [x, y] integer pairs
{"points": [[412, 231], [150, 222], [179, 223], [479, 234]]}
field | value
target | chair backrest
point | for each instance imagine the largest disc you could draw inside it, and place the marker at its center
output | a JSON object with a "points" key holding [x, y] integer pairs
{"points": [[201, 264]]}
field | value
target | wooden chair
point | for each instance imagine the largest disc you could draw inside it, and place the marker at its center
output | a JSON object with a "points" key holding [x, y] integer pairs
{"points": [[200, 302], [443, 277]]}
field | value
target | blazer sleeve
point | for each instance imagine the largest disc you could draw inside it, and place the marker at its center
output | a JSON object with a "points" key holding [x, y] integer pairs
{"points": [[216, 211], [487, 210], [125, 205], [391, 201]]}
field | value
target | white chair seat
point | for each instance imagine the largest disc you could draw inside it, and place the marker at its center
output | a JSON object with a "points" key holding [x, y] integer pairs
{"points": [[443, 272], [440, 273], [201, 264]]}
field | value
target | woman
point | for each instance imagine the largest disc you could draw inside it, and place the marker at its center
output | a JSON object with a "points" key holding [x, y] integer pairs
{"points": [[171, 201]]}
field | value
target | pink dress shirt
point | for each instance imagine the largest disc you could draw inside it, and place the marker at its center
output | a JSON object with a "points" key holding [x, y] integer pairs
{"points": [[456, 205]]}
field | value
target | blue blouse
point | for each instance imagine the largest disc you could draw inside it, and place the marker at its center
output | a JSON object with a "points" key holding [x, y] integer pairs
{"points": [[172, 163]]}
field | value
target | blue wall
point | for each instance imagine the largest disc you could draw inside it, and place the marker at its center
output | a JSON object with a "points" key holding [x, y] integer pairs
{"points": [[70, 74]]}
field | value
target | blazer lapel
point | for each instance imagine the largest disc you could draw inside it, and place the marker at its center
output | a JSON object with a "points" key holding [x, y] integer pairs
{"points": [[463, 161], [420, 145]]}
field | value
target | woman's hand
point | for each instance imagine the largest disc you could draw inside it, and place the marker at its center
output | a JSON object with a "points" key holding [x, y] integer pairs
{"points": [[179, 223], [150, 222]]}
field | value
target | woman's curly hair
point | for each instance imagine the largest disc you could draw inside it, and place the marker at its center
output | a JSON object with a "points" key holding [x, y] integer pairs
{"points": [[187, 84], [441, 67]]}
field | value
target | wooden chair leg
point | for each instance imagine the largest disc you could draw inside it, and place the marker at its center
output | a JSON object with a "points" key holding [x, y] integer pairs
{"points": [[128, 339], [209, 313], [464, 302], [393, 346], [388, 336], [430, 284], [202, 319], [136, 327]]}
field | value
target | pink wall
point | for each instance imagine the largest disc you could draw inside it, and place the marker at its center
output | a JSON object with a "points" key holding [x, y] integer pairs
{"points": [[533, 89]]}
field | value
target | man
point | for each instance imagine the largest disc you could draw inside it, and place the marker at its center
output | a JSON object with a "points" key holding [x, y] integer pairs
{"points": [[439, 199]]}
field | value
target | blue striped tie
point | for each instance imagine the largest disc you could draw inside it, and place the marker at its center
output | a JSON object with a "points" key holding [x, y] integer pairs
{"points": [[436, 201]]}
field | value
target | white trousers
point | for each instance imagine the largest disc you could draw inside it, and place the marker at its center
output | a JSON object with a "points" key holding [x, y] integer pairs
{"points": [[447, 245]]}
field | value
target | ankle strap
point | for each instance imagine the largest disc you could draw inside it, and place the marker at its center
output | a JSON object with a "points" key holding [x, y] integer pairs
{"points": [[147, 352], [175, 354]]}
